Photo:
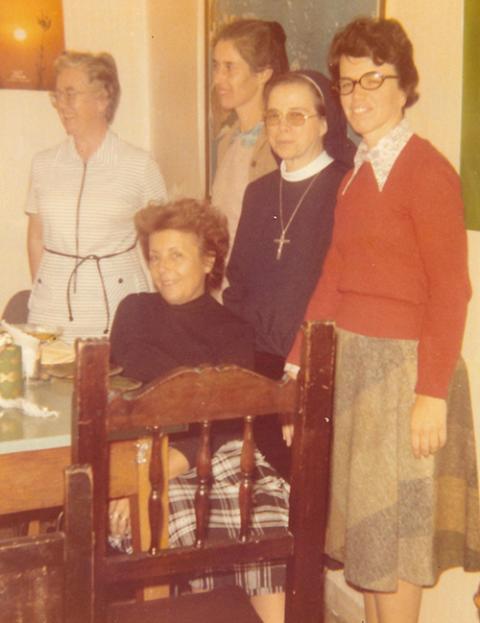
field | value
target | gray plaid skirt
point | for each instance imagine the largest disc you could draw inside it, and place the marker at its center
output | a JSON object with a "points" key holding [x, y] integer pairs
{"points": [[393, 516], [270, 511]]}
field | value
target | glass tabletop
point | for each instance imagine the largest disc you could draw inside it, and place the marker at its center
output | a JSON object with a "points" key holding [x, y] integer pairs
{"points": [[20, 432]]}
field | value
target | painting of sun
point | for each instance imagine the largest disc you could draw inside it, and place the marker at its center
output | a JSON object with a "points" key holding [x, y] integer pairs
{"points": [[31, 37]]}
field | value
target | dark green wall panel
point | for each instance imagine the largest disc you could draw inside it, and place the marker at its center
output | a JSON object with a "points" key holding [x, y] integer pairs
{"points": [[309, 24], [470, 160]]}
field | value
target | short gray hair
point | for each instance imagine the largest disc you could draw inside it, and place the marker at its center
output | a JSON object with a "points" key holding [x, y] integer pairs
{"points": [[100, 69]]}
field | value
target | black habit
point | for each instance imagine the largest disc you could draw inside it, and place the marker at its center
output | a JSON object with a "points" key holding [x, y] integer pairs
{"points": [[272, 294]]}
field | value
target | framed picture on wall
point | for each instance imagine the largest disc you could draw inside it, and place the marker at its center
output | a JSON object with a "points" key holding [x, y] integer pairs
{"points": [[31, 37], [309, 26]]}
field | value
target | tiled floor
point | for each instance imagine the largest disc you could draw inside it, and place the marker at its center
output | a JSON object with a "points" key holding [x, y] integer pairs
{"points": [[331, 618]]}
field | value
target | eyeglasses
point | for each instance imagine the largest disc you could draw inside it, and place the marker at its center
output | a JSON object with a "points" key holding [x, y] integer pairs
{"points": [[69, 96], [293, 117], [371, 81]]}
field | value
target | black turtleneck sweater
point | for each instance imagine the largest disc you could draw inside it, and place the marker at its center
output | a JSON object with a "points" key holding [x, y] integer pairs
{"points": [[151, 337]]}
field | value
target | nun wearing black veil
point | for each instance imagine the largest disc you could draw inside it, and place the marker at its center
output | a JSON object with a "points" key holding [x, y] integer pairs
{"points": [[286, 225]]}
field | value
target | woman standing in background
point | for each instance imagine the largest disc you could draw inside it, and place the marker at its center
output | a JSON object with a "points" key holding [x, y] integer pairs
{"points": [[247, 54], [83, 195]]}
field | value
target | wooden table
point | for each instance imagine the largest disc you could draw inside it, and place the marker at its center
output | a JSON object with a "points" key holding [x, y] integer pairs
{"points": [[34, 452]]}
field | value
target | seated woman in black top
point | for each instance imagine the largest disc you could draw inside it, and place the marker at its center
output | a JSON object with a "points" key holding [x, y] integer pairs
{"points": [[185, 244]]}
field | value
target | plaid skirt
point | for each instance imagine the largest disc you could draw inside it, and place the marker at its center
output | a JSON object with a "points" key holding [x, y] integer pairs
{"points": [[393, 516], [270, 511]]}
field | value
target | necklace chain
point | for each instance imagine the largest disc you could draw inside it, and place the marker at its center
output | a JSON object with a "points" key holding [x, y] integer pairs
{"points": [[282, 241]]}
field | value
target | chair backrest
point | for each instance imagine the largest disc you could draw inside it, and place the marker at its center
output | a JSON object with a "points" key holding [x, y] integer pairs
{"points": [[204, 395], [16, 309], [48, 577]]}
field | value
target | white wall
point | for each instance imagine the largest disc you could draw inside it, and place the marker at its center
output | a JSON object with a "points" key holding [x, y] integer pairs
{"points": [[28, 122], [177, 66]]}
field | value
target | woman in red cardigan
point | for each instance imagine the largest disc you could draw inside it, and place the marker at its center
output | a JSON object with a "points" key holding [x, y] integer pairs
{"points": [[404, 501]]}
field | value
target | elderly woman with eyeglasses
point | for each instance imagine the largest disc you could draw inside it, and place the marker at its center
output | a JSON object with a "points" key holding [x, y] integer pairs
{"points": [[404, 492], [83, 195], [286, 224]]}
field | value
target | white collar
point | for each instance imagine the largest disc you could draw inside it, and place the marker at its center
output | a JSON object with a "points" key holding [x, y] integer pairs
{"points": [[105, 154], [315, 166], [383, 156]]}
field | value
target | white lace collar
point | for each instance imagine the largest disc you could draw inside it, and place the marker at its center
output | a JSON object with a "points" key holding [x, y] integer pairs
{"points": [[383, 156]]}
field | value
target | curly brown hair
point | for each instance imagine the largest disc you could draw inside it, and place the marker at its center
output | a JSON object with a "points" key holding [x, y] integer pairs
{"points": [[384, 41], [193, 216]]}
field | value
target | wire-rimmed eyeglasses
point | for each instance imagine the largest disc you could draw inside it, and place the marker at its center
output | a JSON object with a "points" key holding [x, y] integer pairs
{"points": [[370, 81], [69, 96], [292, 117]]}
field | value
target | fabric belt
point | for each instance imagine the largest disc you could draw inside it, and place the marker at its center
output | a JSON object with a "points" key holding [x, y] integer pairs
{"points": [[81, 259]]}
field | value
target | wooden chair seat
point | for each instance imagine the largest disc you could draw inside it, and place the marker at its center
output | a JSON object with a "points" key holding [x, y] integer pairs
{"points": [[217, 606], [206, 395]]}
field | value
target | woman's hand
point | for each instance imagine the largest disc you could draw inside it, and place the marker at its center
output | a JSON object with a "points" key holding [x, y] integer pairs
{"points": [[428, 425], [119, 517], [290, 371], [287, 434], [34, 243]]}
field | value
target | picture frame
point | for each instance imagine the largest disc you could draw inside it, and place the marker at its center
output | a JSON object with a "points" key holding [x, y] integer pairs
{"points": [[31, 37]]}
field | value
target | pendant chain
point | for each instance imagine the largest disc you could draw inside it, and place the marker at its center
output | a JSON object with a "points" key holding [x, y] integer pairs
{"points": [[282, 241]]}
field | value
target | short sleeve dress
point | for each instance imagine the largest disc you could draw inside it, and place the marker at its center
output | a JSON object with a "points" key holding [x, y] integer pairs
{"points": [[90, 260]]}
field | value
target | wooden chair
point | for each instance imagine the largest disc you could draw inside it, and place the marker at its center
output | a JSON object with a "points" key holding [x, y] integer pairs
{"points": [[203, 395], [16, 309], [45, 578]]}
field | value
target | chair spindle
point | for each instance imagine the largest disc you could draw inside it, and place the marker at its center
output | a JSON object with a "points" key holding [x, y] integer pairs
{"points": [[247, 468], [204, 475], [157, 484]]}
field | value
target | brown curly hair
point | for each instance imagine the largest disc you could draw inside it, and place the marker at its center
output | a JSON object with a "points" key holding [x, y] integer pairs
{"points": [[384, 41], [192, 216]]}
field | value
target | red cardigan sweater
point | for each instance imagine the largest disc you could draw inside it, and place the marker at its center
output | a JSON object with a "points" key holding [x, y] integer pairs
{"points": [[397, 266]]}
